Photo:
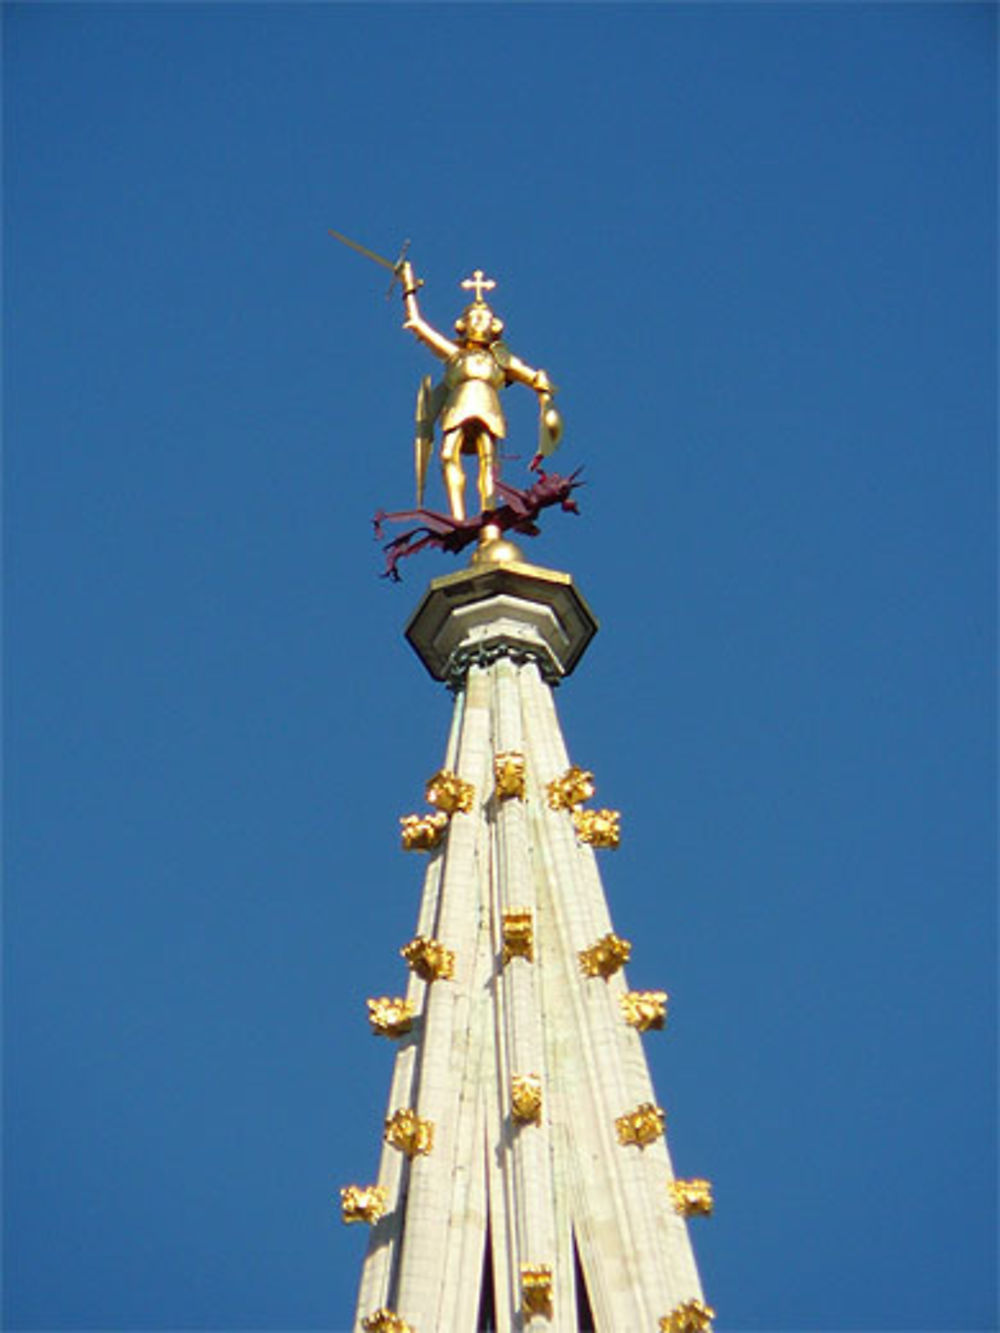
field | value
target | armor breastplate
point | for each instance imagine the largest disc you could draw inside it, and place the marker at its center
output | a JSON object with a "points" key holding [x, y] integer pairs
{"points": [[472, 377], [472, 363]]}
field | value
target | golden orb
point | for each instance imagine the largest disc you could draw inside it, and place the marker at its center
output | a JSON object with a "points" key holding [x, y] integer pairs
{"points": [[494, 548]]}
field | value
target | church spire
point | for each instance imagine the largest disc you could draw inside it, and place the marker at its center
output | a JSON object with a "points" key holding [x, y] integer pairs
{"points": [[525, 1180]]}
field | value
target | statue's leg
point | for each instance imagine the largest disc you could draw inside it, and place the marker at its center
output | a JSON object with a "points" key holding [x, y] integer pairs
{"points": [[484, 446], [454, 474]]}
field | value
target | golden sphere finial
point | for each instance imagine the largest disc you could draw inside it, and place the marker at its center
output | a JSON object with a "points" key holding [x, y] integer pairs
{"points": [[494, 548]]}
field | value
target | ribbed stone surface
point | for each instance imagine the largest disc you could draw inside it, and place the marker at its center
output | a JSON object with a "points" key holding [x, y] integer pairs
{"points": [[537, 1187]]}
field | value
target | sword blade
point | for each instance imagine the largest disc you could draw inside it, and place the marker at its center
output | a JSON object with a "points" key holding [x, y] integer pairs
{"points": [[362, 250]]}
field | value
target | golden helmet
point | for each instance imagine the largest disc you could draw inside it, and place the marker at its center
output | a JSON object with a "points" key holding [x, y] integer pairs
{"points": [[478, 323]]}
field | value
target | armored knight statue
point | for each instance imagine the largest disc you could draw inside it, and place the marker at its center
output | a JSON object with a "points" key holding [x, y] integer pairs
{"points": [[466, 403]]}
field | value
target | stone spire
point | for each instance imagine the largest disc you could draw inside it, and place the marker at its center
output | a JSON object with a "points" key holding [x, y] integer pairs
{"points": [[525, 1181]]}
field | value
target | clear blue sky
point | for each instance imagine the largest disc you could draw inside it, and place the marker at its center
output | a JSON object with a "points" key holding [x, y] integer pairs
{"points": [[755, 247]]}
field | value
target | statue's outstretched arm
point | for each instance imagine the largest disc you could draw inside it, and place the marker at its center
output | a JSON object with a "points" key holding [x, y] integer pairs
{"points": [[415, 322], [550, 425], [518, 370]]}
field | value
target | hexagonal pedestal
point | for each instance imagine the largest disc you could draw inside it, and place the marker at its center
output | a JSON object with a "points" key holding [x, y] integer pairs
{"points": [[505, 609]]}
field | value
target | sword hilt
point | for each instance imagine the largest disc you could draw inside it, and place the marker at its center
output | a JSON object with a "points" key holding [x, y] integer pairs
{"points": [[397, 269]]}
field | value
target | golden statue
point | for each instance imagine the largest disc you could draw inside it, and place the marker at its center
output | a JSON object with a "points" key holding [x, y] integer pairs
{"points": [[467, 402]]}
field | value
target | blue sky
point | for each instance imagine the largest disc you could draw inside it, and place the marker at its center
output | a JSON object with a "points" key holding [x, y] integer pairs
{"points": [[754, 245]]}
